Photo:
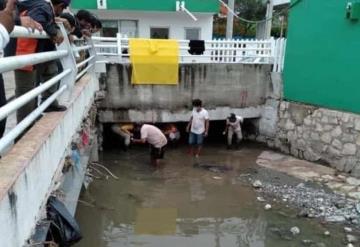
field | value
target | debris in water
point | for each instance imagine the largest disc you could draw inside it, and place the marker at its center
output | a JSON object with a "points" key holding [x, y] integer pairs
{"points": [[268, 207], [213, 168], [357, 206], [257, 184], [244, 175], [217, 178], [351, 238], [134, 198], [295, 230], [308, 242], [335, 219], [347, 229], [327, 233], [260, 199]]}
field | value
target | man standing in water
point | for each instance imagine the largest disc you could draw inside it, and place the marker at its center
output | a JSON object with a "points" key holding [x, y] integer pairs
{"points": [[198, 127], [157, 140], [233, 126]]}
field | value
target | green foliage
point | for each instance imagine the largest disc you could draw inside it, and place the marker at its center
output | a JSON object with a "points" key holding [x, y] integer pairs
{"points": [[251, 10]]}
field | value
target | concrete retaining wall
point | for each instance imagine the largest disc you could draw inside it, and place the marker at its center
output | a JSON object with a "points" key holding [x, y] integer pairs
{"points": [[29, 171], [223, 88], [318, 134]]}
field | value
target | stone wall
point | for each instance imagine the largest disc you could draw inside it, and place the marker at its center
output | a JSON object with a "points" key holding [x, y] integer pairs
{"points": [[318, 134]]}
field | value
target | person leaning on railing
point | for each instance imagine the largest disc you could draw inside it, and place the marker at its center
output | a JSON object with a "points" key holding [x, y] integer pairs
{"points": [[6, 26], [44, 12], [85, 18], [73, 28], [7, 23], [88, 24], [50, 69]]}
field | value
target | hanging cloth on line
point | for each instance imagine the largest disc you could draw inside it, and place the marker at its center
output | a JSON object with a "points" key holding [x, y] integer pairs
{"points": [[154, 61], [197, 47]]}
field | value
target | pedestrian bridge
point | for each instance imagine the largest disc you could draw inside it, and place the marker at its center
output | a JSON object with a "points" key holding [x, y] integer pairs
{"points": [[51, 157]]}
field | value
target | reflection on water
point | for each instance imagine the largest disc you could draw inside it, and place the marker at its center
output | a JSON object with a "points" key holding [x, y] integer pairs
{"points": [[180, 205]]}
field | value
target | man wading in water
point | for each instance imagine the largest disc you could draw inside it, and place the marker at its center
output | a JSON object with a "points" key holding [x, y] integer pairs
{"points": [[233, 127], [157, 140], [198, 127]]}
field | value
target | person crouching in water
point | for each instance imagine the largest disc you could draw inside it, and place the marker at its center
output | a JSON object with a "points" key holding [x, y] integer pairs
{"points": [[233, 126], [157, 140], [172, 134], [125, 131]]}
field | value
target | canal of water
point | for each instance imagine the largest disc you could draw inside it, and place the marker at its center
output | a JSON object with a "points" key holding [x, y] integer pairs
{"points": [[179, 205]]}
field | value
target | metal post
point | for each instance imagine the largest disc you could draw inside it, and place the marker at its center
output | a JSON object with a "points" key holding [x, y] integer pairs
{"points": [[230, 20], [67, 62], [269, 15], [282, 26]]}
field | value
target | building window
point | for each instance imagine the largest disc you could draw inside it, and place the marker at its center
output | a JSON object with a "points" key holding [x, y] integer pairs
{"points": [[159, 33], [128, 28], [110, 28], [192, 33]]}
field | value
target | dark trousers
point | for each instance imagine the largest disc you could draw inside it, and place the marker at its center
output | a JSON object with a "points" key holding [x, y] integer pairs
{"points": [[25, 82], [2, 103], [45, 72]]}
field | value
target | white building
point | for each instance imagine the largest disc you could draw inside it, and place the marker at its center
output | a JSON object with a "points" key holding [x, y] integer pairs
{"points": [[154, 18]]}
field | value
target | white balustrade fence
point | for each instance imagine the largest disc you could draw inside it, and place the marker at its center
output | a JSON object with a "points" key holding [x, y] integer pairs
{"points": [[271, 51], [75, 60]]}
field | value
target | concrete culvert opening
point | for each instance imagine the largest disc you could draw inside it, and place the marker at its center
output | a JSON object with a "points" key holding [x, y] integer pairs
{"points": [[111, 140]]}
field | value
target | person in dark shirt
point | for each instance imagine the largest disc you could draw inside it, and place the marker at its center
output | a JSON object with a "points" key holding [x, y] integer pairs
{"points": [[44, 12], [27, 22]]}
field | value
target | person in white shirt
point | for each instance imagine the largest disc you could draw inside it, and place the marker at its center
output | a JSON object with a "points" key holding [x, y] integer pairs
{"points": [[198, 127], [157, 140], [233, 126]]}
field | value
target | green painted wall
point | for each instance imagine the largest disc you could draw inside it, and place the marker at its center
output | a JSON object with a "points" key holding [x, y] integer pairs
{"points": [[211, 6], [322, 63]]}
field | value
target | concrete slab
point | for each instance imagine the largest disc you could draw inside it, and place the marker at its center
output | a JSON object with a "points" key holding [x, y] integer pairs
{"points": [[309, 171], [298, 168]]}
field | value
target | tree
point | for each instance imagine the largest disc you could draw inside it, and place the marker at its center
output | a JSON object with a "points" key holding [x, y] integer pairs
{"points": [[253, 10], [248, 9]]}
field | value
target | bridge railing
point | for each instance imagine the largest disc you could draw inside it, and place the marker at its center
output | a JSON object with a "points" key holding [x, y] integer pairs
{"points": [[271, 51], [73, 69]]}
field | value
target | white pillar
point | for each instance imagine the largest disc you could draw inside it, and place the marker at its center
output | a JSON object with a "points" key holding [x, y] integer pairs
{"points": [[269, 15], [230, 20]]}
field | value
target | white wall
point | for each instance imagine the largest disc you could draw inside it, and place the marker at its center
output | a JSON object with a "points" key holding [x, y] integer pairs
{"points": [[177, 22]]}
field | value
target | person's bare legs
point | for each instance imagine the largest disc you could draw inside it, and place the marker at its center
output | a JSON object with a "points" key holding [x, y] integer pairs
{"points": [[198, 150], [154, 162], [191, 150]]}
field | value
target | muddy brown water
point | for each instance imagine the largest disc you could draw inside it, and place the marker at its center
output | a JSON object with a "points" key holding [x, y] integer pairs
{"points": [[179, 205]]}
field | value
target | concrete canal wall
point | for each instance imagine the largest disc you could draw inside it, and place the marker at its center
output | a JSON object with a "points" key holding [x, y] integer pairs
{"points": [[33, 168], [242, 88]]}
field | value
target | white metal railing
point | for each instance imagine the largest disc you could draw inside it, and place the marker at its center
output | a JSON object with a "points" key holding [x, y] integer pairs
{"points": [[269, 51], [72, 71]]}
